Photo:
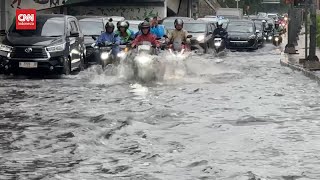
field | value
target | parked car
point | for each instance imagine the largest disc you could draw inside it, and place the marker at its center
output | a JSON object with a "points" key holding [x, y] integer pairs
{"points": [[242, 34], [92, 27], [202, 34], [56, 45]]}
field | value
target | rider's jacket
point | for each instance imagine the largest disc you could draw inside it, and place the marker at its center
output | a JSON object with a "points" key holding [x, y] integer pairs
{"points": [[220, 31], [110, 38], [182, 34], [158, 30], [126, 38], [146, 37]]}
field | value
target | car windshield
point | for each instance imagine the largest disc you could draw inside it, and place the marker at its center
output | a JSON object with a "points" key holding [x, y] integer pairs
{"points": [[258, 25], [169, 24], [195, 27], [46, 26], [134, 27], [240, 27], [90, 28]]}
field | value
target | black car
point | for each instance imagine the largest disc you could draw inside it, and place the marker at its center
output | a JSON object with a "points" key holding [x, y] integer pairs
{"points": [[56, 45], [242, 34], [92, 27], [202, 34]]}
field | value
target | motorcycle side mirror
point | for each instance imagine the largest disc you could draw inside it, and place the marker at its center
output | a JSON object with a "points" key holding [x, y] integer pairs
{"points": [[189, 36], [94, 38], [158, 38], [210, 33], [257, 31], [165, 36]]}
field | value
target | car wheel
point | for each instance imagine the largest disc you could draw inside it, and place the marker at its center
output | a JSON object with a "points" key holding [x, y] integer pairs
{"points": [[67, 66]]}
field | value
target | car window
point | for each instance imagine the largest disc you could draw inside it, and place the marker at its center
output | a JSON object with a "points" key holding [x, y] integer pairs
{"points": [[90, 28], [195, 27], [46, 26], [240, 27]]}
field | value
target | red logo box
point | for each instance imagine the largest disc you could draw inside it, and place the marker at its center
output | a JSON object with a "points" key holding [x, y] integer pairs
{"points": [[26, 19]]}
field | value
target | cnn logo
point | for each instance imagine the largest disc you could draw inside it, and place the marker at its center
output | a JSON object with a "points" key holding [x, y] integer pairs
{"points": [[26, 19]]}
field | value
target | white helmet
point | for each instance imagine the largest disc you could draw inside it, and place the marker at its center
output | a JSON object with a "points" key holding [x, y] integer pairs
{"points": [[264, 21]]}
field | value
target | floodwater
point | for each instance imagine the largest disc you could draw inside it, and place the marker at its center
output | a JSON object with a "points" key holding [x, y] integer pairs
{"points": [[236, 117]]}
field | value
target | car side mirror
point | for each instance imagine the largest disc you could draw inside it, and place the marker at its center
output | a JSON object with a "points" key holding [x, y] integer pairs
{"points": [[189, 36], [210, 32], [3, 32], [94, 38], [74, 34], [257, 31]]}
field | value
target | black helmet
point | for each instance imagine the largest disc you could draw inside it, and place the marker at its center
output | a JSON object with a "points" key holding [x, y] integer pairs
{"points": [[109, 24], [145, 24], [139, 26], [128, 24], [122, 24], [178, 22]]}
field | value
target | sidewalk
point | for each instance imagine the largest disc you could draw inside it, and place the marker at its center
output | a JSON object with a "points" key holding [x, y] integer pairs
{"points": [[292, 60]]}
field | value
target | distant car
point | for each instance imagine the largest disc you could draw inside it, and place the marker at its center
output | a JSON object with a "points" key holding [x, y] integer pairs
{"points": [[55, 45], [274, 16], [242, 34], [91, 26], [168, 22], [202, 34], [214, 21]]}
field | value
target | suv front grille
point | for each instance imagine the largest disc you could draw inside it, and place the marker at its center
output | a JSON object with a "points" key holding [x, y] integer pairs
{"points": [[20, 52]]}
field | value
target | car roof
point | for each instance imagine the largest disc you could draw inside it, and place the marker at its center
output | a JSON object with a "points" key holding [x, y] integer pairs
{"points": [[177, 17], [241, 21], [91, 18], [196, 22], [53, 15], [116, 18]]}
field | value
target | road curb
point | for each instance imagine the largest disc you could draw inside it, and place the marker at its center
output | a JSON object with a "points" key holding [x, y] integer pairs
{"points": [[297, 67]]}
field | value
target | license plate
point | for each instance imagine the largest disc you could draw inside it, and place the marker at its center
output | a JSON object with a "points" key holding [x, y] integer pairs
{"points": [[28, 64]]}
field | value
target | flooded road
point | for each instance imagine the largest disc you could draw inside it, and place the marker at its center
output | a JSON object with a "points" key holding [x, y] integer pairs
{"points": [[241, 117]]}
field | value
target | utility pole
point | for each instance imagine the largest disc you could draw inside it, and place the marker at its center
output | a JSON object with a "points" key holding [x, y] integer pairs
{"points": [[306, 9], [290, 47], [237, 3], [312, 61]]}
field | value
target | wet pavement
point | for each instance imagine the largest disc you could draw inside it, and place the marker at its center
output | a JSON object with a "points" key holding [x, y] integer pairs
{"points": [[241, 117]]}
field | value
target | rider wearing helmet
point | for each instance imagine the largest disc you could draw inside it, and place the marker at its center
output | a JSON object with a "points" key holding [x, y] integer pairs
{"points": [[124, 32], [131, 31], [269, 27], [146, 35], [277, 28], [178, 32], [220, 30], [110, 36], [158, 30]]}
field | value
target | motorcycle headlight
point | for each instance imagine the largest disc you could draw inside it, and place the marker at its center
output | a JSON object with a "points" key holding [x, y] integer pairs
{"points": [[270, 37], [121, 54], [143, 60], [56, 48], [276, 39], [264, 38], [5, 48], [104, 56], [200, 38], [286, 19], [217, 44]]}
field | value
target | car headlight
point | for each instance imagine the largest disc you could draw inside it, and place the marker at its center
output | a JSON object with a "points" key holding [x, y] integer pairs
{"points": [[56, 48], [200, 38], [264, 38], [270, 37], [252, 37], [104, 56], [5, 48]]}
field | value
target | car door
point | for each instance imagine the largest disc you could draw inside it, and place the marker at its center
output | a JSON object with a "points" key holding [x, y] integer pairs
{"points": [[81, 45]]}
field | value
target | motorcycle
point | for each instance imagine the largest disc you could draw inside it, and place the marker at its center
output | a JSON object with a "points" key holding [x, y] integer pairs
{"points": [[218, 44], [124, 51], [145, 64], [105, 53], [277, 39], [268, 36], [178, 47]]}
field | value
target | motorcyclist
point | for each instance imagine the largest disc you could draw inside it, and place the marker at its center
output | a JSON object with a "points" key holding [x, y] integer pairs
{"points": [[146, 36], [110, 36], [131, 31], [178, 33], [269, 28], [158, 30], [123, 32], [277, 28], [264, 24], [220, 30]]}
